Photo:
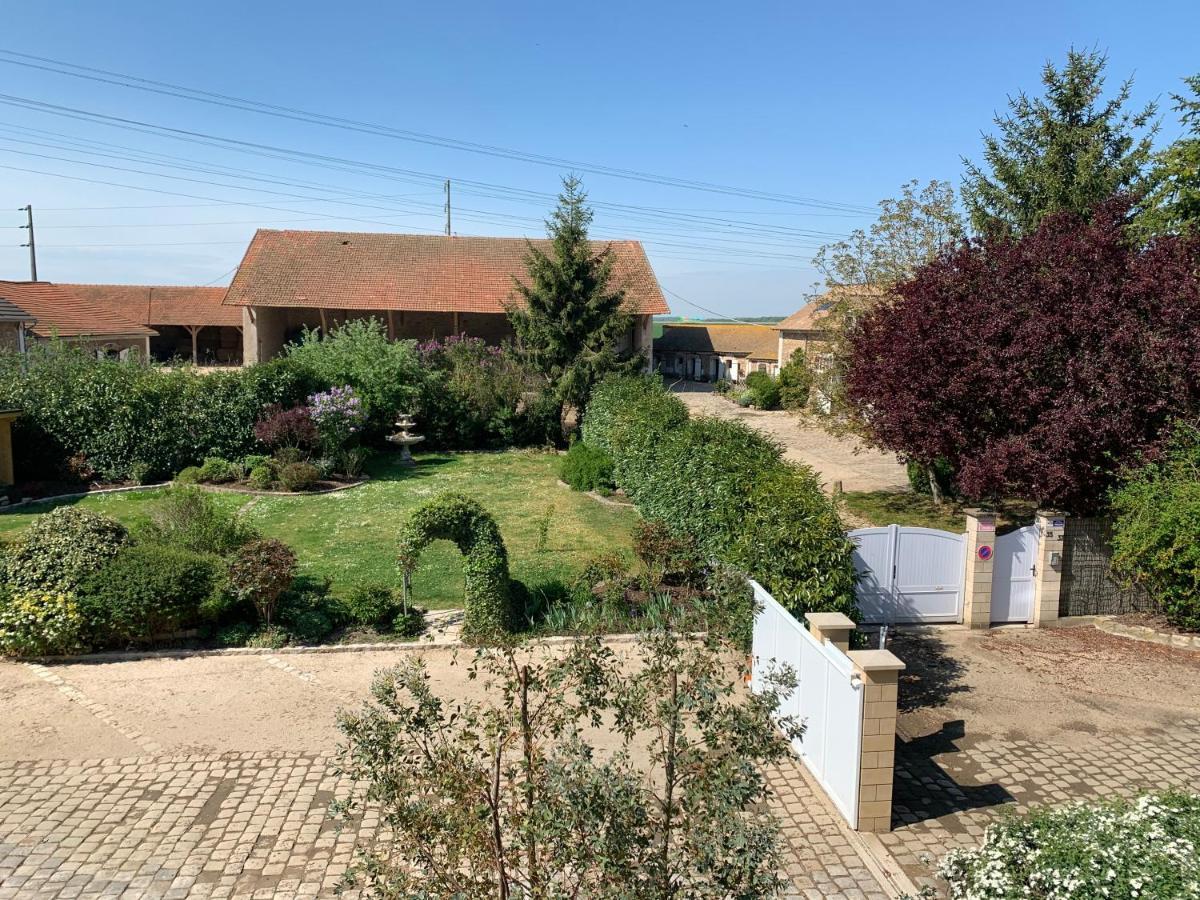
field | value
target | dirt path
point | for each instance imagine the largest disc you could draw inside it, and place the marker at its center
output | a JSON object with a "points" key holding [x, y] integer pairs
{"points": [[833, 458]]}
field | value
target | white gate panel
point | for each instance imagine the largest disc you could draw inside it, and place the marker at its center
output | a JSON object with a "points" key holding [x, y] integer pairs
{"points": [[929, 569], [874, 565], [908, 574], [828, 699], [1012, 575]]}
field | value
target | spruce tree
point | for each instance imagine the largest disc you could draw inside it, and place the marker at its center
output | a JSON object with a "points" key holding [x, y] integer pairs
{"points": [[569, 320], [1064, 152]]}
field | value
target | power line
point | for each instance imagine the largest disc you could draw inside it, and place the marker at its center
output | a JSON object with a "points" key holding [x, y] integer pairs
{"points": [[709, 311], [219, 278], [133, 82], [376, 170]]}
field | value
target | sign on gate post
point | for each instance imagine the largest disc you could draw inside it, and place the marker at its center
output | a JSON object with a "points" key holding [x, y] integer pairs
{"points": [[977, 582]]}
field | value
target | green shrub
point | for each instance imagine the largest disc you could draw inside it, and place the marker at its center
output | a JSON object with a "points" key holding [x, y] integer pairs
{"points": [[268, 637], [1156, 529], [41, 623], [587, 468], [374, 605], [795, 381], [254, 460], [1120, 848], [62, 548], [631, 408], [261, 572], [664, 555], [409, 623], [727, 487], [386, 374], [188, 475], [308, 613], [299, 476], [141, 473], [261, 478], [487, 595], [763, 390], [147, 590], [215, 470], [192, 519]]}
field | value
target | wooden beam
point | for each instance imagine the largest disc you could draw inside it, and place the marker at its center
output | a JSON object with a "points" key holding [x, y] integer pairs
{"points": [[391, 325], [194, 330], [324, 330]]}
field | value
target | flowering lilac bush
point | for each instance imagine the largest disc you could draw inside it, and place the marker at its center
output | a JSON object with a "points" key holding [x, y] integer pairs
{"points": [[339, 416], [1146, 848]]}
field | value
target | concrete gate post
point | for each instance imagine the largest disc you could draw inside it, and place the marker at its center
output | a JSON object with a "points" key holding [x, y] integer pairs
{"points": [[832, 627], [1048, 565], [977, 582]]}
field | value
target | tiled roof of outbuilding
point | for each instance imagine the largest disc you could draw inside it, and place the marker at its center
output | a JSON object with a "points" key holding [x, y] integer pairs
{"points": [[58, 310], [415, 272], [753, 341], [153, 304]]}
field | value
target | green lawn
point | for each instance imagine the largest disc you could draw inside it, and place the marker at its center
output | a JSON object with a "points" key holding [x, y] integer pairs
{"points": [[912, 509], [350, 536]]}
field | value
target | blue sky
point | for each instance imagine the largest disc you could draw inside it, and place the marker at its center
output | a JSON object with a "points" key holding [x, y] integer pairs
{"points": [[839, 103]]}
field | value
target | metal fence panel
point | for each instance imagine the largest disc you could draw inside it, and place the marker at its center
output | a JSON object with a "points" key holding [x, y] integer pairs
{"points": [[1088, 588]]}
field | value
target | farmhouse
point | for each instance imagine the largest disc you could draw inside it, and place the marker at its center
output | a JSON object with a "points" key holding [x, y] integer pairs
{"points": [[42, 311], [419, 286], [712, 352]]}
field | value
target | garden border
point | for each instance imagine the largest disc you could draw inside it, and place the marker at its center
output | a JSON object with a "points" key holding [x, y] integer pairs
{"points": [[406, 646], [33, 501], [1109, 625], [225, 489]]}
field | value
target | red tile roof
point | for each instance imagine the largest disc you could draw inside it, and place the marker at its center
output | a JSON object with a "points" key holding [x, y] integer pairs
{"points": [[808, 317], [429, 273], [152, 304], [753, 341], [60, 311]]}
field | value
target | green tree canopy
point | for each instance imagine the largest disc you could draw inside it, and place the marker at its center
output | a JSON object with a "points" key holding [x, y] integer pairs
{"points": [[570, 323], [1173, 204], [1066, 151]]}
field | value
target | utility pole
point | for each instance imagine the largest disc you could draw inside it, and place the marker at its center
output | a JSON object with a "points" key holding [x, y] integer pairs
{"points": [[447, 207], [32, 247]]}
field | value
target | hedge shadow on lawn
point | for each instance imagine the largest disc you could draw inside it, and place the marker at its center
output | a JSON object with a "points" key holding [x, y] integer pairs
{"points": [[388, 467]]}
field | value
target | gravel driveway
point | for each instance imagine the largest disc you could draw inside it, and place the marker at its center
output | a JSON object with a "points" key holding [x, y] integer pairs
{"points": [[833, 458]]}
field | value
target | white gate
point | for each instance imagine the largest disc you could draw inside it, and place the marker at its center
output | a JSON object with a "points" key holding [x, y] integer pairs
{"points": [[908, 574], [1012, 575], [828, 699]]}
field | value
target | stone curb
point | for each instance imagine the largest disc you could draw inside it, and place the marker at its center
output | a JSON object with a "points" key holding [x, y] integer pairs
{"points": [[402, 646], [80, 494], [249, 492], [1110, 625], [607, 501]]}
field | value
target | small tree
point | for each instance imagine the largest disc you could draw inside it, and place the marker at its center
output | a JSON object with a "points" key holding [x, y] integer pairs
{"points": [[261, 572], [570, 320], [511, 798], [1036, 368], [795, 381], [1065, 152]]}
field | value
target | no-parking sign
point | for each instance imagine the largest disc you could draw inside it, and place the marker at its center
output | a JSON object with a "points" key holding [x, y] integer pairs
{"points": [[985, 552]]}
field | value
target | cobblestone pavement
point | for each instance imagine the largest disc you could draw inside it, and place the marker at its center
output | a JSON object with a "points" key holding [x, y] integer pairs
{"points": [[952, 781], [248, 825], [822, 858], [208, 794]]}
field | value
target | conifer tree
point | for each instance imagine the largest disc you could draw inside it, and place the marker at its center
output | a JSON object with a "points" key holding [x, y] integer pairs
{"points": [[569, 318], [1064, 152]]}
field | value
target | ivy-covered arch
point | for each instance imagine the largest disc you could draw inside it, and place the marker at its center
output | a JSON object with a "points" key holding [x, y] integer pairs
{"points": [[455, 517]]}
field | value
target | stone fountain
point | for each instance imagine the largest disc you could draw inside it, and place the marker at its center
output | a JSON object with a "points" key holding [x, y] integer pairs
{"points": [[405, 439]]}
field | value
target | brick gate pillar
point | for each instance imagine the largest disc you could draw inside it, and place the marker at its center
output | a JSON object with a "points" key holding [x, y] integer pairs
{"points": [[977, 582], [880, 673], [1048, 565], [832, 627]]}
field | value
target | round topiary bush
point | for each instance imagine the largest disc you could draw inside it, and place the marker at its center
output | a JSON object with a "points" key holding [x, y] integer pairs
{"points": [[62, 548], [587, 468], [458, 518]]}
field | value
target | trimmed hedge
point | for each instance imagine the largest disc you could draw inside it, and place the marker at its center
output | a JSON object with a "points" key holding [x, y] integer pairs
{"points": [[488, 592], [147, 590], [126, 418], [729, 488]]}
